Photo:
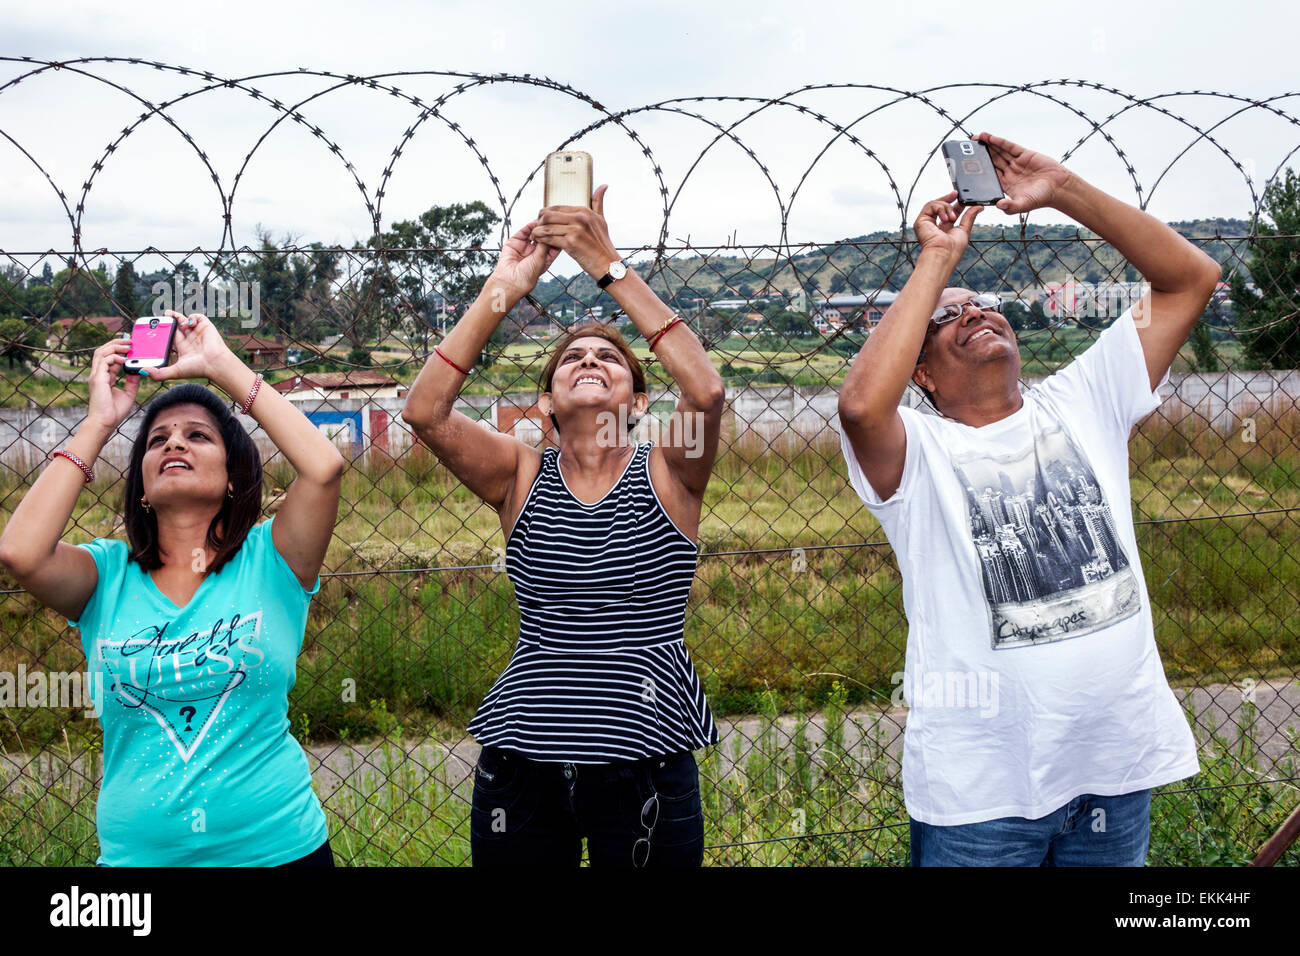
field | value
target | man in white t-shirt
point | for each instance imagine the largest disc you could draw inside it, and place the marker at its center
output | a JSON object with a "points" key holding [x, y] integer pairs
{"points": [[1040, 717]]}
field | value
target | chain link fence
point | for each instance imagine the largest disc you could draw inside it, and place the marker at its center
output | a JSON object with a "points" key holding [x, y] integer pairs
{"points": [[795, 621]]}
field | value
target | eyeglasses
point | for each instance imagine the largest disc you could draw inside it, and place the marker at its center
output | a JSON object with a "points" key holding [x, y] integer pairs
{"points": [[641, 849], [954, 310]]}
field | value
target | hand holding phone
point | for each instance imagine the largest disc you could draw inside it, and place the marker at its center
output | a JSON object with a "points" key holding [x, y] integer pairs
{"points": [[108, 405], [971, 170], [1031, 180], [201, 352]]}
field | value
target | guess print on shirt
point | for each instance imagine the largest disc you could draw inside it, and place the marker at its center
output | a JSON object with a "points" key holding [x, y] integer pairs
{"points": [[183, 683]]}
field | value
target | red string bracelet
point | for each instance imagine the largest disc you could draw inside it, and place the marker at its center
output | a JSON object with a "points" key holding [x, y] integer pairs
{"points": [[85, 469], [252, 394], [463, 371], [664, 331]]}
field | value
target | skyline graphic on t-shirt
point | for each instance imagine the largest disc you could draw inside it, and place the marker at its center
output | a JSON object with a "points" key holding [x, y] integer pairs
{"points": [[1051, 563]]}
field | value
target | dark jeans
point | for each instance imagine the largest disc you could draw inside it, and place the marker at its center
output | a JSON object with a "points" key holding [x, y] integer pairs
{"points": [[529, 813], [321, 856]]}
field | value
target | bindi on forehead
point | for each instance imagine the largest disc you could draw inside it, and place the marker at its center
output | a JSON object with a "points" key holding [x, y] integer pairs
{"points": [[595, 345], [167, 422]]}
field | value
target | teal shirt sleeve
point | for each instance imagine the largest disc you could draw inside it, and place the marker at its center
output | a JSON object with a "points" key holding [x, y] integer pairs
{"points": [[110, 562], [280, 567]]}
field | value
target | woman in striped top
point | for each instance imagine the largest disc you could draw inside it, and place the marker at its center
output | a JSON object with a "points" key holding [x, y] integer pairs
{"points": [[589, 731]]}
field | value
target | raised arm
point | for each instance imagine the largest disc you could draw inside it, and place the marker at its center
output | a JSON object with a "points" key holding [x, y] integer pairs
{"points": [[305, 522], [62, 576], [1182, 277], [876, 381], [584, 235], [485, 461]]}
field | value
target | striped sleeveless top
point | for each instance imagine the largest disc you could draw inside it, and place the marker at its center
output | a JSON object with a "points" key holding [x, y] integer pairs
{"points": [[600, 672]]}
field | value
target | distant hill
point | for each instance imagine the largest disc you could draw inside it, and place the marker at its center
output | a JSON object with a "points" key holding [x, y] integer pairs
{"points": [[1000, 258]]}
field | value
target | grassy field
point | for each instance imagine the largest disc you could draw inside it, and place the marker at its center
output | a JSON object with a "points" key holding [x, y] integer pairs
{"points": [[823, 801], [415, 613]]}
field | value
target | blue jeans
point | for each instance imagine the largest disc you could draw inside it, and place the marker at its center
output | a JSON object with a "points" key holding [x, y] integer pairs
{"points": [[529, 813], [1088, 831]]}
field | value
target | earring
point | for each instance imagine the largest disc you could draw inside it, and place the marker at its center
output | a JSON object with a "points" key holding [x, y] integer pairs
{"points": [[144, 503], [230, 493]]}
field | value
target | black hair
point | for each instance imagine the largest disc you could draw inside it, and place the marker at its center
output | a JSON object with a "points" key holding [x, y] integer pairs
{"points": [[238, 514]]}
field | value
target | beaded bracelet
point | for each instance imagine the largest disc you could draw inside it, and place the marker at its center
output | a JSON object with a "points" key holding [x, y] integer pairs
{"points": [[85, 469], [664, 329], [252, 395], [463, 371]]}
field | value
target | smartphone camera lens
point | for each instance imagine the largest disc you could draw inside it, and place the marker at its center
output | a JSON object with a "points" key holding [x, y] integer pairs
{"points": [[568, 159], [153, 323]]}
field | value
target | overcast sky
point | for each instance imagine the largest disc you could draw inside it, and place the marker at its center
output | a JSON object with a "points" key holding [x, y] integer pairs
{"points": [[154, 190]]}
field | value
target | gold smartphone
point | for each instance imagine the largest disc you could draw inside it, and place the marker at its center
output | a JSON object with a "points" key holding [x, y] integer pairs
{"points": [[568, 180]]}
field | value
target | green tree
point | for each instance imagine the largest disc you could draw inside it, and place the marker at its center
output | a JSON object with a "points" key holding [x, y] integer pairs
{"points": [[84, 337], [425, 264], [1017, 314], [1268, 316], [1203, 347], [294, 286], [82, 292], [1037, 318], [13, 300], [790, 324], [124, 291], [19, 339], [39, 299]]}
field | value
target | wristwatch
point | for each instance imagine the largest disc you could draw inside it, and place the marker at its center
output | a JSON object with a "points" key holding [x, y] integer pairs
{"points": [[617, 270]]}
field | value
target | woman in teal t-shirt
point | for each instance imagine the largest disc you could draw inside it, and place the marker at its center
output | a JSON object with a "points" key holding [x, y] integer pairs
{"points": [[195, 623]]}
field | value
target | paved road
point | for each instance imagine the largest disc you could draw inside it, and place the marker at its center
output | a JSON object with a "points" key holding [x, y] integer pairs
{"points": [[63, 375]]}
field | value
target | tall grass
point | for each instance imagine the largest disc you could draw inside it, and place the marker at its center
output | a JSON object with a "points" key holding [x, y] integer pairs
{"points": [[775, 633], [429, 642], [813, 789]]}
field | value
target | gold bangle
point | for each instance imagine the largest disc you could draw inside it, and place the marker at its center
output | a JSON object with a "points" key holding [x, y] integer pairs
{"points": [[663, 328]]}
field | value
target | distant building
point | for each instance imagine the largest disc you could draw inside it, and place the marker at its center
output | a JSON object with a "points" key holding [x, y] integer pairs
{"points": [[113, 323], [735, 305], [316, 386], [835, 310], [262, 353]]}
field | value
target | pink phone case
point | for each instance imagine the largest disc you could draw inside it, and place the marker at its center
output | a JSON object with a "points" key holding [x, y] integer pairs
{"points": [[151, 344]]}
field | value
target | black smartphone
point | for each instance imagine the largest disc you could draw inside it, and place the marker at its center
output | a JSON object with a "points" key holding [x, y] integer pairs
{"points": [[972, 173]]}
